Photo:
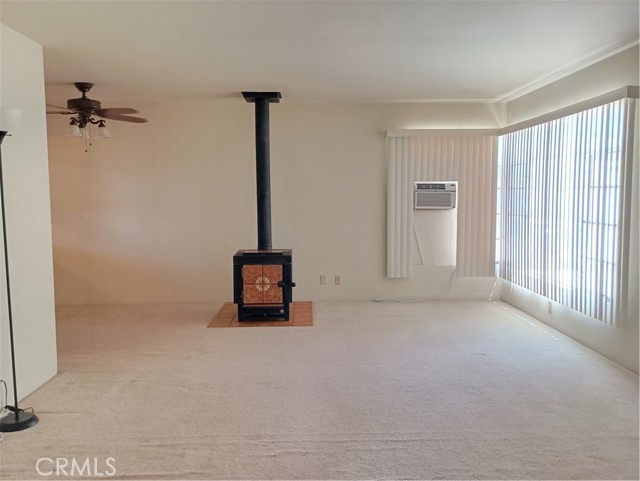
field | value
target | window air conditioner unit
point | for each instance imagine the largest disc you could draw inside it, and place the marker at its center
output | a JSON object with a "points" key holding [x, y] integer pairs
{"points": [[435, 195]]}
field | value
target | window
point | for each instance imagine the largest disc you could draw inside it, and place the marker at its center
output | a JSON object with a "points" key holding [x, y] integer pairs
{"points": [[562, 212]]}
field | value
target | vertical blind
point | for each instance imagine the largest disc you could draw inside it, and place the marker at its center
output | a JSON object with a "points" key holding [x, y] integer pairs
{"points": [[563, 209], [468, 159]]}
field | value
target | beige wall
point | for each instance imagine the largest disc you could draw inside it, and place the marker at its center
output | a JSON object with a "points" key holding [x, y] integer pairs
{"points": [[24, 156], [155, 213]]}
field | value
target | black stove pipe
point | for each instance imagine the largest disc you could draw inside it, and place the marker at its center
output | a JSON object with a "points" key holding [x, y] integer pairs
{"points": [[263, 179], [263, 176]]}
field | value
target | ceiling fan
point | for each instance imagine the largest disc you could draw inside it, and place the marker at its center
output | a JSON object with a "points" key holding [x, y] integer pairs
{"points": [[84, 110]]}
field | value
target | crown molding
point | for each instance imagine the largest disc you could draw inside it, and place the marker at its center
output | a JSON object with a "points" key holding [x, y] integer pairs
{"points": [[626, 92], [570, 68]]}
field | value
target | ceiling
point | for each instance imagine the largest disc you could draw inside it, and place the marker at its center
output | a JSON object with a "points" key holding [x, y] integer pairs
{"points": [[344, 51]]}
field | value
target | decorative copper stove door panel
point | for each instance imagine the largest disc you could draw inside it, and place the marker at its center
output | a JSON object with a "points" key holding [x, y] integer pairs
{"points": [[260, 284], [251, 277], [271, 275]]}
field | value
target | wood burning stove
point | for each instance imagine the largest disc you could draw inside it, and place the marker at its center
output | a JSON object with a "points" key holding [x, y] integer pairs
{"points": [[262, 284]]}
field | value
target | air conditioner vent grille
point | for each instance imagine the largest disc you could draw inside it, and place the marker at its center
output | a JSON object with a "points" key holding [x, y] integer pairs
{"points": [[435, 195]]}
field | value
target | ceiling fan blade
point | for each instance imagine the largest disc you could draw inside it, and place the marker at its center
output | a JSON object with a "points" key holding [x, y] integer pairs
{"points": [[116, 111], [61, 113], [126, 118], [57, 107]]}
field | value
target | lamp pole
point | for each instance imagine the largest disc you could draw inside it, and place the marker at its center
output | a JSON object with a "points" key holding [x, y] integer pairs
{"points": [[18, 419]]}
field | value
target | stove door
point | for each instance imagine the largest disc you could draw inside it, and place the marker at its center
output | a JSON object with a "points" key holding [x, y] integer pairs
{"points": [[260, 284]]}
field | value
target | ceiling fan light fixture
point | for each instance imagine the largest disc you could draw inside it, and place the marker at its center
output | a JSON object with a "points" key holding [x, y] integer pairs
{"points": [[103, 131], [73, 130]]}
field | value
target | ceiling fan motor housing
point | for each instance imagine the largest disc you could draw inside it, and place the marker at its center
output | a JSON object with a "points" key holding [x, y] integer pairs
{"points": [[84, 104]]}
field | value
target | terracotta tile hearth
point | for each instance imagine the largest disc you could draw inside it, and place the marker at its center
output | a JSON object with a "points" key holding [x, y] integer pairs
{"points": [[301, 315]]}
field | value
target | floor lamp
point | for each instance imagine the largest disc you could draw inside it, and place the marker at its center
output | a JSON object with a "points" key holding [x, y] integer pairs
{"points": [[17, 420]]}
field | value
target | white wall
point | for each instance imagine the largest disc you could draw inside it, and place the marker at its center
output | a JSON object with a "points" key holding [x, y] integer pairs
{"points": [[617, 343], [26, 182], [155, 213]]}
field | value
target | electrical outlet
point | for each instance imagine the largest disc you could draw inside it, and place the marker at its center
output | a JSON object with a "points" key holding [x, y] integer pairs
{"points": [[323, 279], [337, 280], [549, 307]]}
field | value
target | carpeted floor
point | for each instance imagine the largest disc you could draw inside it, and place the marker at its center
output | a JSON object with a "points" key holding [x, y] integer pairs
{"points": [[301, 315], [440, 390]]}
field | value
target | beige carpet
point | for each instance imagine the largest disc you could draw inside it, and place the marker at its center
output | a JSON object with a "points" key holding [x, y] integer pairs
{"points": [[442, 390]]}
